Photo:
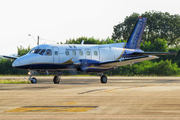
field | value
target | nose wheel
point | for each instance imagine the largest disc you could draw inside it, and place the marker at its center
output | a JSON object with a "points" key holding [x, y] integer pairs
{"points": [[33, 80]]}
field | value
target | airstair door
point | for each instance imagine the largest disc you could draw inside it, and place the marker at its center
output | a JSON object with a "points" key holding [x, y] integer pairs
{"points": [[56, 54]]}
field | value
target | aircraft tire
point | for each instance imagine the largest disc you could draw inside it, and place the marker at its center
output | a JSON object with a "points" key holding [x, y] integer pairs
{"points": [[103, 79], [56, 80], [33, 80]]}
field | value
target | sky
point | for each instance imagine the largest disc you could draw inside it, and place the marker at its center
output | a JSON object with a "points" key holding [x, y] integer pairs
{"points": [[21, 21]]}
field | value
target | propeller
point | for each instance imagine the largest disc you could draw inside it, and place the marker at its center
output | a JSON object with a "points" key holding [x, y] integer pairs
{"points": [[73, 68]]}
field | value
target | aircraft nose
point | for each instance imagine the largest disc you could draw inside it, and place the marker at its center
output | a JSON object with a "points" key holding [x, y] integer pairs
{"points": [[15, 63]]}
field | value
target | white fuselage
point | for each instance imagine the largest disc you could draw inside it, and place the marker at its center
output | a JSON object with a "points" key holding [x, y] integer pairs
{"points": [[70, 53]]}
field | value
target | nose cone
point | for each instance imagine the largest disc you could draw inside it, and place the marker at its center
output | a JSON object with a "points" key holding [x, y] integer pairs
{"points": [[16, 63]]}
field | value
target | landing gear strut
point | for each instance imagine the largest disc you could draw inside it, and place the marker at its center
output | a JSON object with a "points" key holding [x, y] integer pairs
{"points": [[103, 78], [56, 79], [33, 80]]}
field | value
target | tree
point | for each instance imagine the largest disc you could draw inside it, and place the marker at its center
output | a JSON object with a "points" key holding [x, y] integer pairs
{"points": [[159, 25], [92, 40], [159, 45], [22, 51], [7, 69]]}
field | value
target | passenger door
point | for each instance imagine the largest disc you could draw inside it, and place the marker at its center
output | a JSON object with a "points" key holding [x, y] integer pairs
{"points": [[56, 54], [95, 53]]}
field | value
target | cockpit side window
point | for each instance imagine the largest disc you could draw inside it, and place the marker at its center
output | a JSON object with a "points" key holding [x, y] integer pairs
{"points": [[42, 52], [48, 52]]}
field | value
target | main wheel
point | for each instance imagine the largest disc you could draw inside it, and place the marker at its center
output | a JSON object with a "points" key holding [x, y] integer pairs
{"points": [[33, 80], [103, 79], [56, 80]]}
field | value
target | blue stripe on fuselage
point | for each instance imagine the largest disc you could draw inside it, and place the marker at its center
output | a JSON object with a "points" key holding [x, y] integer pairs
{"points": [[86, 66]]}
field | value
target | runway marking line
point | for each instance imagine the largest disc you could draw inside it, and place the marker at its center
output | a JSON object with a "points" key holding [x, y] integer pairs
{"points": [[53, 109], [90, 117], [69, 103], [90, 91], [110, 90]]}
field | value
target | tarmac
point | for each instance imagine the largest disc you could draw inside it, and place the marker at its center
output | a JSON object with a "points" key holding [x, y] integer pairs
{"points": [[86, 98]]}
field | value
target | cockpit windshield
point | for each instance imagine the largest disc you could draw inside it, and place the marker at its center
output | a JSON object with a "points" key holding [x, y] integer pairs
{"points": [[37, 51], [32, 51], [41, 51]]}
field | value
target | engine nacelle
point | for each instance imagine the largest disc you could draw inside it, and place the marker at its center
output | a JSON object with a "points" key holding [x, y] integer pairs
{"points": [[91, 66]]}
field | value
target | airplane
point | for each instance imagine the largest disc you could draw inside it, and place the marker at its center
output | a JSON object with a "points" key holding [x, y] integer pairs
{"points": [[86, 58]]}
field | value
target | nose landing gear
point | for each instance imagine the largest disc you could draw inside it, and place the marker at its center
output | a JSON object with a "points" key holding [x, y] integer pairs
{"points": [[33, 80]]}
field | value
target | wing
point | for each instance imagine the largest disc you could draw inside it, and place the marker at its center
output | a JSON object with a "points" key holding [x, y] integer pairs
{"points": [[127, 61], [10, 57]]}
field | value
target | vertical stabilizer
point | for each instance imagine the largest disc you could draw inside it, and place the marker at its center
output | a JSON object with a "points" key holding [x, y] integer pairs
{"points": [[136, 36]]}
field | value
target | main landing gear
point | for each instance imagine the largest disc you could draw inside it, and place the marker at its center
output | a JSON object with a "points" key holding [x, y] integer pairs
{"points": [[56, 79], [103, 78]]}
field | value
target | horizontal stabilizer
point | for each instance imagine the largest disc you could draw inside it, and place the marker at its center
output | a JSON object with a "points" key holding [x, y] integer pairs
{"points": [[153, 53], [10, 57], [127, 61]]}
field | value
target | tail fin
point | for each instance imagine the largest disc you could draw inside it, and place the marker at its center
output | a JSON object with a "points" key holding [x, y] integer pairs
{"points": [[136, 36]]}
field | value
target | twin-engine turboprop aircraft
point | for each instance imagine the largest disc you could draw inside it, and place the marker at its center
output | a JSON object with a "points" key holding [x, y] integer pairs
{"points": [[86, 58]]}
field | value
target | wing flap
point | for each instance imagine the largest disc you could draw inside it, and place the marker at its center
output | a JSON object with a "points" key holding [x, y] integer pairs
{"points": [[127, 61]]}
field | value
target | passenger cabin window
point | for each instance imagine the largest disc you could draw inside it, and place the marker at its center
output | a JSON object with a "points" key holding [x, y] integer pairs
{"points": [[80, 53], [48, 52], [56, 52], [67, 52], [73, 52], [95, 53], [42, 52], [88, 53]]}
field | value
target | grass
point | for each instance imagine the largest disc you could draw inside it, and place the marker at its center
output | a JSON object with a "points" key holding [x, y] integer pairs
{"points": [[14, 82]]}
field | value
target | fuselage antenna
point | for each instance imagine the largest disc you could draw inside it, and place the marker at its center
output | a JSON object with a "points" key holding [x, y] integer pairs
{"points": [[82, 43]]}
